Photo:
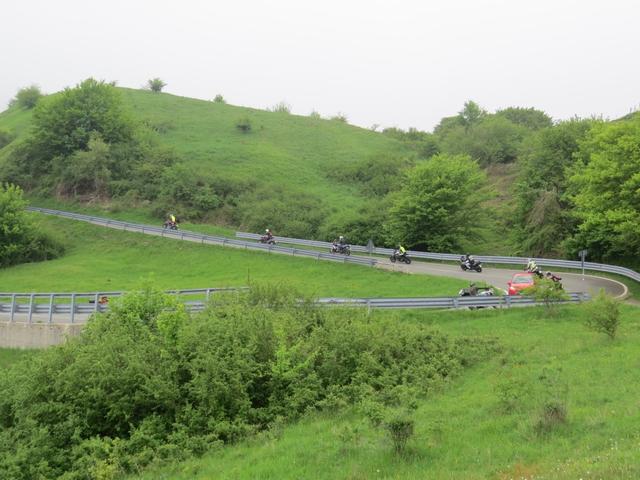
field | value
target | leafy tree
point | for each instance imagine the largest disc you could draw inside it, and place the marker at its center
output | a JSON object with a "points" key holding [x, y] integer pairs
{"points": [[603, 314], [471, 114], [542, 213], [19, 240], [27, 97], [526, 117], [219, 99], [490, 140], [156, 84], [605, 189], [65, 122], [439, 206]]}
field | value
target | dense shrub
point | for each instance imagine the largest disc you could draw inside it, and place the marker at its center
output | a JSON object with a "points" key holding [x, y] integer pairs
{"points": [[156, 84], [219, 99], [142, 384], [286, 212], [244, 124], [376, 176], [20, 241]]}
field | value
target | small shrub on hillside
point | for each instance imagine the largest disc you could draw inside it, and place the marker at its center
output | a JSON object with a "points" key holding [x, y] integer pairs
{"points": [[281, 107], [315, 115], [552, 414], [243, 124], [511, 393], [400, 428], [27, 97], [553, 391], [156, 84], [219, 99], [603, 314], [340, 117]]}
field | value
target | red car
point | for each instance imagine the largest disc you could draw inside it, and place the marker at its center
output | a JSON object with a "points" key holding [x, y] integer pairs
{"points": [[519, 282]]}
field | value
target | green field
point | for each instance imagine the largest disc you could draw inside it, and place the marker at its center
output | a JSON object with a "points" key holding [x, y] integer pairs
{"points": [[103, 259], [481, 426]]}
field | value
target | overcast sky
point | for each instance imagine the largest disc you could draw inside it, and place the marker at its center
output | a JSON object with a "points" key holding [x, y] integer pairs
{"points": [[392, 63]]}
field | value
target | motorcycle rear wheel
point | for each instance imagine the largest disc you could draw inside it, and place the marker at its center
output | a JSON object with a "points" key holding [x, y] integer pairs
{"points": [[392, 258]]}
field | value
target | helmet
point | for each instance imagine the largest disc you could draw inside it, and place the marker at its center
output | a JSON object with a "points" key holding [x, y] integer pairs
{"points": [[267, 230], [341, 237]]}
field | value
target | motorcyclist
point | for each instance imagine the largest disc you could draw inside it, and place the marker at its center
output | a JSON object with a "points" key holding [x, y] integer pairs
{"points": [[533, 267], [469, 260], [267, 234], [402, 252]]}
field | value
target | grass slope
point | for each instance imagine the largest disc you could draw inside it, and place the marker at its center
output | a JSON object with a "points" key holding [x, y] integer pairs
{"points": [[282, 149], [105, 259], [481, 426], [9, 356]]}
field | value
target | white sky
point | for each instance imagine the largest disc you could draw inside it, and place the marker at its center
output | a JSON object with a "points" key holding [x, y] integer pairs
{"points": [[393, 63]]}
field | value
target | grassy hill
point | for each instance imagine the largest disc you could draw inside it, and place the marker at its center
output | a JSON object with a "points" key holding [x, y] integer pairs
{"points": [[291, 152], [483, 426]]}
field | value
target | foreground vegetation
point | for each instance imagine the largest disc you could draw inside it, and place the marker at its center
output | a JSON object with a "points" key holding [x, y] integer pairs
{"points": [[145, 384], [499, 420], [104, 259]]}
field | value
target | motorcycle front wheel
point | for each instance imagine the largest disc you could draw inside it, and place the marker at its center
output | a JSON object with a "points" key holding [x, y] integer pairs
{"points": [[479, 269], [407, 260], [392, 258]]}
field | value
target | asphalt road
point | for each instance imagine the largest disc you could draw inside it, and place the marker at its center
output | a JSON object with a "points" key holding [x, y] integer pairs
{"points": [[498, 277]]}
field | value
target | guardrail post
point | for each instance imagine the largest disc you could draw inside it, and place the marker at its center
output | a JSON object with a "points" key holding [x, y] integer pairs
{"points": [[51, 308], [182, 236], [208, 293], [73, 307], [30, 307], [368, 306], [13, 305], [456, 302], [508, 300], [95, 305]]}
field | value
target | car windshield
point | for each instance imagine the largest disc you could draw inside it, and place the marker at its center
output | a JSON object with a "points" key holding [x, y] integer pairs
{"points": [[523, 279]]}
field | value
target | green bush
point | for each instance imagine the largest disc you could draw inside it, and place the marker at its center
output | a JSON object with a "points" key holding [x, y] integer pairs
{"points": [[156, 84], [603, 314], [548, 292], [27, 97], [219, 99], [145, 384], [400, 429], [244, 124], [20, 241]]}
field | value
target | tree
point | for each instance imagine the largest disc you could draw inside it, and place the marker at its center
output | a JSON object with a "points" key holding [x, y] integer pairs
{"points": [[27, 97], [526, 117], [605, 189], [439, 205], [19, 240], [471, 114], [156, 84], [542, 213], [219, 99], [281, 107]]}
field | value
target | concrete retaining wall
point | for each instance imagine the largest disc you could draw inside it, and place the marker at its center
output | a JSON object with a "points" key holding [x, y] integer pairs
{"points": [[35, 335]]}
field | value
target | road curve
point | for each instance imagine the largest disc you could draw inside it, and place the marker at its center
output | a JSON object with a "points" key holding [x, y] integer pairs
{"points": [[498, 277]]}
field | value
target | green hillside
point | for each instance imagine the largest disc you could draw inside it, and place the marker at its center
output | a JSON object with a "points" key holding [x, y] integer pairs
{"points": [[287, 153]]}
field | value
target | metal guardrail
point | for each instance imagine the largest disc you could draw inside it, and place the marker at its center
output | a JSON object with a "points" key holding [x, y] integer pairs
{"points": [[210, 239], [550, 262], [48, 305]]}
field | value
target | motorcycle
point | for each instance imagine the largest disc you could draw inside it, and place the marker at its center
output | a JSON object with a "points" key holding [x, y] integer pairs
{"points": [[470, 265], [557, 281], [475, 291], [170, 225], [342, 249], [396, 256], [267, 239]]}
